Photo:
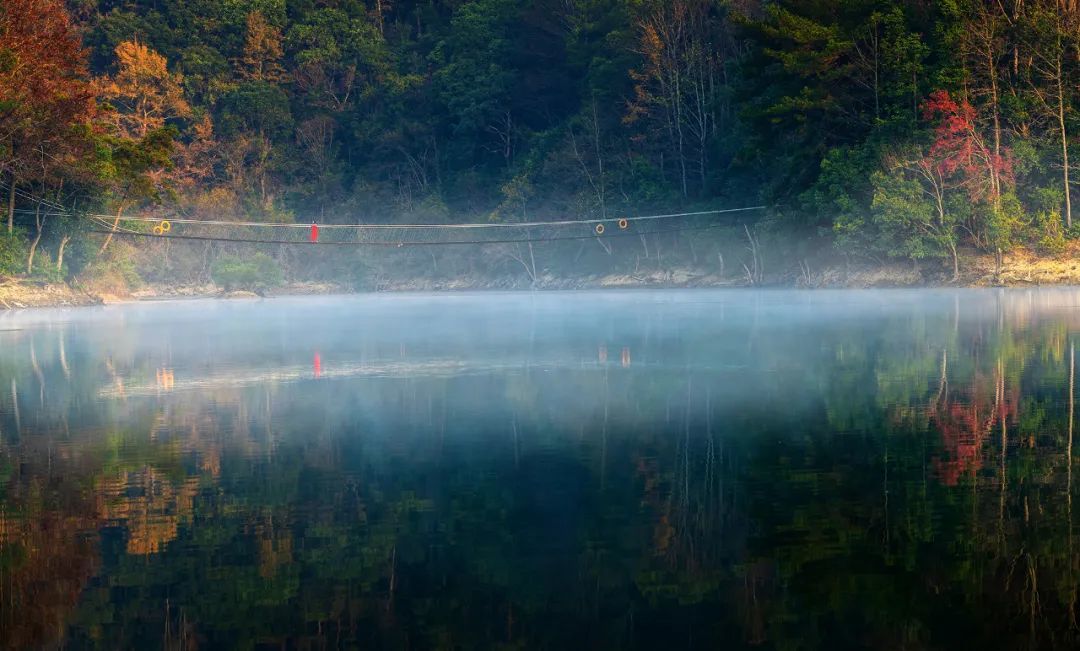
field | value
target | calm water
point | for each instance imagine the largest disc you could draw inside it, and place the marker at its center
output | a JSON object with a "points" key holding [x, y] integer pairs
{"points": [[584, 470]]}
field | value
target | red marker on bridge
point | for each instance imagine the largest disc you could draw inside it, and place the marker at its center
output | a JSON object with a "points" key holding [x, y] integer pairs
{"points": [[314, 232], [317, 363]]}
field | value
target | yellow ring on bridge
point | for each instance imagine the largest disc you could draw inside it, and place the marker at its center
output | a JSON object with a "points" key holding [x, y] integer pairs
{"points": [[165, 226], [599, 229], [158, 230], [623, 223]]}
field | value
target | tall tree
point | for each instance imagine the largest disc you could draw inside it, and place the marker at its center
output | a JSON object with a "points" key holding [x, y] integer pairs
{"points": [[337, 56], [475, 81], [44, 89], [683, 46], [144, 95], [823, 76], [263, 51], [985, 47], [1053, 54], [143, 91], [962, 152]]}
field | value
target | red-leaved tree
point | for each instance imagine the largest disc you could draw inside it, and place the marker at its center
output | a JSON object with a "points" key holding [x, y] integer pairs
{"points": [[960, 151]]}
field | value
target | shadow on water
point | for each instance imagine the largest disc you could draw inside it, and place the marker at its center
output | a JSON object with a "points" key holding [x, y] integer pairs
{"points": [[649, 470]]}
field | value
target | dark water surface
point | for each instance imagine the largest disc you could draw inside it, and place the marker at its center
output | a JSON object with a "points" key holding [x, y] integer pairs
{"points": [[647, 470]]}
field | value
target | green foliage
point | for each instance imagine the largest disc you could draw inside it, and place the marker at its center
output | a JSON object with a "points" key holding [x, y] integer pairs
{"points": [[338, 42], [113, 272], [908, 221], [840, 194], [254, 273], [824, 75], [1049, 226], [129, 167], [258, 106], [473, 78], [13, 249], [206, 72], [236, 11], [45, 267], [1005, 224]]}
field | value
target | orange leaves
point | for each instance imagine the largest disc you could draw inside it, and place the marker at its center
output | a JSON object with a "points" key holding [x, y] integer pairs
{"points": [[143, 92], [262, 51], [139, 63], [44, 86]]}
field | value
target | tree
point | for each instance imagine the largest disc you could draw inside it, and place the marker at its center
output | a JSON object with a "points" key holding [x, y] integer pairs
{"points": [[134, 170], [261, 60], [143, 92], [255, 115], [195, 160], [682, 78], [916, 210], [337, 55], [317, 140], [825, 75], [983, 45], [1051, 51], [962, 153], [44, 90], [144, 96], [474, 79]]}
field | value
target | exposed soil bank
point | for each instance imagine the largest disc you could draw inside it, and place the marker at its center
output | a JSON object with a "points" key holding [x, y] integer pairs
{"points": [[15, 294], [1019, 268]]}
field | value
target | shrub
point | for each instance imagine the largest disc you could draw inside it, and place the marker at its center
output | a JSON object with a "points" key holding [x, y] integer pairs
{"points": [[45, 268], [12, 253], [1051, 230], [257, 273]]}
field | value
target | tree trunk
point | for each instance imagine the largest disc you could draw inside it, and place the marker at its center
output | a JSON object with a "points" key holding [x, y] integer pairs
{"points": [[1064, 144], [115, 225], [992, 71], [11, 206], [60, 254], [532, 262], [601, 190], [39, 223]]}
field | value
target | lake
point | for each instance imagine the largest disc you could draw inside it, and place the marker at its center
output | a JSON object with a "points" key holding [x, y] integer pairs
{"points": [[678, 469]]}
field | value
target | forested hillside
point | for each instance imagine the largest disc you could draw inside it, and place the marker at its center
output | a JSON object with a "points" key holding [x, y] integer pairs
{"points": [[878, 129]]}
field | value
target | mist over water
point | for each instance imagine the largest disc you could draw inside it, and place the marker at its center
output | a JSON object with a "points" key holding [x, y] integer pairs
{"points": [[687, 469]]}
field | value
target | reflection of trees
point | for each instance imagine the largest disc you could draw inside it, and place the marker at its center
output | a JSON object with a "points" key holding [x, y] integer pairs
{"points": [[966, 419], [903, 513], [697, 530], [866, 491], [46, 560], [59, 489], [46, 554], [148, 504]]}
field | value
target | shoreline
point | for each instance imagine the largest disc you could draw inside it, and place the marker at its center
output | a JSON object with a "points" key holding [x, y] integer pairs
{"points": [[60, 296], [1020, 269]]}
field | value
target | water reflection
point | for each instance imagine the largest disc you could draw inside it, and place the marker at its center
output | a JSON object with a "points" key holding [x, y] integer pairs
{"points": [[768, 470]]}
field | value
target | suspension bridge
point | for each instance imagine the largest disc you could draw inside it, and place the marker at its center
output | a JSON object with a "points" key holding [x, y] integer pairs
{"points": [[385, 234]]}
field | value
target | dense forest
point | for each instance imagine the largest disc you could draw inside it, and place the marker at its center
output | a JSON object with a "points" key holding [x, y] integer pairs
{"points": [[874, 129]]}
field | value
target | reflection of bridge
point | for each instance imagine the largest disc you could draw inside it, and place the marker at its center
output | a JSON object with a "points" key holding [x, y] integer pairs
{"points": [[238, 377], [168, 380]]}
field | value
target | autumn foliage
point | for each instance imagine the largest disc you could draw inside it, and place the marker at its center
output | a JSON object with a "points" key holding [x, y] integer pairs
{"points": [[44, 88], [143, 91], [966, 423], [44, 82], [959, 150]]}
